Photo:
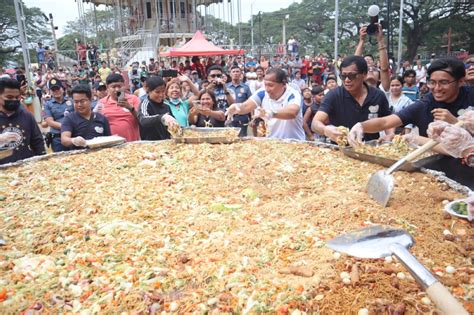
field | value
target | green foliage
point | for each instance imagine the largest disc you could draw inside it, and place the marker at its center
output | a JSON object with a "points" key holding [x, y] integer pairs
{"points": [[97, 26], [36, 29], [311, 22]]}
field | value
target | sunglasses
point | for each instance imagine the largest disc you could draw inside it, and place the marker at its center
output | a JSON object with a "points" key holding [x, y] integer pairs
{"points": [[350, 76], [469, 64], [215, 75]]}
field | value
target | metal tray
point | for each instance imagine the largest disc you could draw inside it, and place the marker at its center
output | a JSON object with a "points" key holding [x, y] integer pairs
{"points": [[203, 136], [407, 167], [440, 176]]}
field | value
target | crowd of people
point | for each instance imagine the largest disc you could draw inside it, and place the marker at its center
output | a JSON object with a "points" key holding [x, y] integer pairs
{"points": [[288, 97]]}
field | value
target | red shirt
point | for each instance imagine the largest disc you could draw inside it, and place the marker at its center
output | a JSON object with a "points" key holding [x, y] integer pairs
{"points": [[122, 121]]}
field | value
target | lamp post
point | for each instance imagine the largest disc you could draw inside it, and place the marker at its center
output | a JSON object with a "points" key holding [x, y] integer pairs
{"points": [[400, 33], [260, 34], [251, 26], [53, 30], [336, 28], [284, 33]]}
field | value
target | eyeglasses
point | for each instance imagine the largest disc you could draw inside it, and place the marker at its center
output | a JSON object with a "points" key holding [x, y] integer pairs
{"points": [[215, 76], [351, 76], [469, 64], [443, 83], [81, 102]]}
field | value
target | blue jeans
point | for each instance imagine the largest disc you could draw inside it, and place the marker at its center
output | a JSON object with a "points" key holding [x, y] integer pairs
{"points": [[56, 146]]}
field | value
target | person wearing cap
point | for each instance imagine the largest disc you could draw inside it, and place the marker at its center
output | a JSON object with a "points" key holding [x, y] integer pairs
{"points": [[352, 103], [120, 108], [312, 100], [195, 78], [83, 124], [331, 83], [100, 90], [141, 92], [55, 110], [278, 104]]}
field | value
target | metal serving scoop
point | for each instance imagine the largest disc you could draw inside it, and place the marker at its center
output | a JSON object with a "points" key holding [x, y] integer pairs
{"points": [[381, 183], [380, 241]]}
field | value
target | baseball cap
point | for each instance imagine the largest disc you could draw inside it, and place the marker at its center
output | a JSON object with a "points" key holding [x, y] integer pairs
{"points": [[316, 90], [100, 85], [54, 83]]}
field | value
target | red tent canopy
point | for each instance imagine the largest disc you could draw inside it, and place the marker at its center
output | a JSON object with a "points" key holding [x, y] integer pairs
{"points": [[199, 46]]}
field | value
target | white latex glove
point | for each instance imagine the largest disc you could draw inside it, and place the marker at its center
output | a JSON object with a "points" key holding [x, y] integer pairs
{"points": [[468, 121], [332, 132], [412, 136], [264, 114], [8, 137], [436, 128], [455, 139], [356, 135], [78, 141], [168, 120], [233, 109]]}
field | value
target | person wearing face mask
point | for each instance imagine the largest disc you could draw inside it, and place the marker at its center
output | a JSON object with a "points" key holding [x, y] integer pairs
{"points": [[55, 110], [120, 108], [154, 116], [180, 107], [18, 128]]}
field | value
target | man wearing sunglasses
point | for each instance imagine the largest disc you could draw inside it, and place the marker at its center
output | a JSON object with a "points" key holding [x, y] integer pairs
{"points": [[351, 103], [224, 97]]}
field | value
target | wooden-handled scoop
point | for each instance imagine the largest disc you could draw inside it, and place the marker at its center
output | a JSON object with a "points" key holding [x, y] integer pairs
{"points": [[381, 183], [380, 241]]}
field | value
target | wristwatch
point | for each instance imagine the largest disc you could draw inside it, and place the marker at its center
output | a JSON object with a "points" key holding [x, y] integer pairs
{"points": [[469, 159]]}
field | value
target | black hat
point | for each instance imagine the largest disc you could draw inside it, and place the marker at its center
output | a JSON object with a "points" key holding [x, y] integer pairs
{"points": [[54, 83], [100, 85], [316, 90]]}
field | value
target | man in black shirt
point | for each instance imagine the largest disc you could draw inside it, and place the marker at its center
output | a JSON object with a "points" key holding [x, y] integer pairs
{"points": [[448, 99], [351, 103], [18, 128], [153, 115], [83, 124]]}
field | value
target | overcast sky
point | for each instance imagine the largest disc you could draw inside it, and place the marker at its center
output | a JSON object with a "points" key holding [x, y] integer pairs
{"points": [[66, 10]]}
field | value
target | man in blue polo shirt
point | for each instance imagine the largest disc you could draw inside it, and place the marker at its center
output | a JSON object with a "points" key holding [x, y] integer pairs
{"points": [[242, 93], [83, 124], [55, 110], [351, 103]]}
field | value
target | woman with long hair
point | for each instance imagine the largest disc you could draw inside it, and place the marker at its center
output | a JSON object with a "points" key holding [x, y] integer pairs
{"points": [[206, 113]]}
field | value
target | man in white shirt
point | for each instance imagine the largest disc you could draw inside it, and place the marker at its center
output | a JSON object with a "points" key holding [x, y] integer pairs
{"points": [[278, 104]]}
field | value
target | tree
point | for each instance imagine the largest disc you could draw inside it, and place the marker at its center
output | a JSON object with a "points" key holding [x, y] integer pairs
{"points": [[98, 27], [426, 23], [426, 19], [36, 30]]}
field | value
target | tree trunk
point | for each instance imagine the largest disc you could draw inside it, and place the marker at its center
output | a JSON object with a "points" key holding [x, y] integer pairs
{"points": [[414, 40]]}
